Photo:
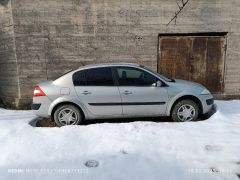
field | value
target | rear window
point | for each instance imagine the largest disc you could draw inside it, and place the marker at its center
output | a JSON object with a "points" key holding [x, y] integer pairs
{"points": [[94, 77], [65, 74]]}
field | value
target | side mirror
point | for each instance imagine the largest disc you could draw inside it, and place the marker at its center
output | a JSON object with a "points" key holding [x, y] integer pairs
{"points": [[159, 84]]}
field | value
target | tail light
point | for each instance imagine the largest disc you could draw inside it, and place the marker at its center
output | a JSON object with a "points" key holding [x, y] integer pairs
{"points": [[38, 92]]}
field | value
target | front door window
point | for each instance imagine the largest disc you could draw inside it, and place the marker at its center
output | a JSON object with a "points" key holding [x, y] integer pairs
{"points": [[128, 76]]}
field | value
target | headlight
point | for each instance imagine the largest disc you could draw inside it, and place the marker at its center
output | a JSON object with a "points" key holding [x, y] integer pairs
{"points": [[205, 92]]}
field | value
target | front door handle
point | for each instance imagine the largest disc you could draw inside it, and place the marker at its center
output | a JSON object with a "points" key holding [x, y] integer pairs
{"points": [[86, 92], [127, 92]]}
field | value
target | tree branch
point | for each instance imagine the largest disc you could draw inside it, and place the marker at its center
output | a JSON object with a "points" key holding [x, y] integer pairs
{"points": [[181, 6]]}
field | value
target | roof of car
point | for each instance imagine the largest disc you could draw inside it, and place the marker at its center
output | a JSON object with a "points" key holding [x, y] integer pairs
{"points": [[110, 64]]}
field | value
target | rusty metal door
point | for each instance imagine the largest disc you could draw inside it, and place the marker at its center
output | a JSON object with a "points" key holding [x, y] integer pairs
{"points": [[194, 58]]}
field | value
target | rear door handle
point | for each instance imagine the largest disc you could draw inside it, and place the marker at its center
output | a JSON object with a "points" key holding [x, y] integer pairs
{"points": [[86, 92], [127, 92]]}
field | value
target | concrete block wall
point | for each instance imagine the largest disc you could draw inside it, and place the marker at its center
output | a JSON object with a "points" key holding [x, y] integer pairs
{"points": [[9, 89], [54, 36]]}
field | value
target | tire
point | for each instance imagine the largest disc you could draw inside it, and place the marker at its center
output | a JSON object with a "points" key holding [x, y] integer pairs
{"points": [[185, 110], [72, 115]]}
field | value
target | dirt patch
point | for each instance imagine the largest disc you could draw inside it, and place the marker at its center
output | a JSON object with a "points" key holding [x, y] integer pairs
{"points": [[45, 123]]}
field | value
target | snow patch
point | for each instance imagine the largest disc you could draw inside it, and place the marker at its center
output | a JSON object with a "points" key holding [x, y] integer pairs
{"points": [[137, 150]]}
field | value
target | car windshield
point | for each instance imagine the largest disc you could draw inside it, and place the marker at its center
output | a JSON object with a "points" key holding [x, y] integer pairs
{"points": [[159, 75]]}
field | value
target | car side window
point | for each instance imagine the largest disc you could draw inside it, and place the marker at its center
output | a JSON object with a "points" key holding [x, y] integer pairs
{"points": [[94, 77], [99, 77], [128, 76], [79, 78]]}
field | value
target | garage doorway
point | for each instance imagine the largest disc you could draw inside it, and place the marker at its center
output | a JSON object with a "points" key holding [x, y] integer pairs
{"points": [[195, 57]]}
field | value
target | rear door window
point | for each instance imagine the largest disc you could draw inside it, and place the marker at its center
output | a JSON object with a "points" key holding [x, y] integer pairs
{"points": [[94, 77]]}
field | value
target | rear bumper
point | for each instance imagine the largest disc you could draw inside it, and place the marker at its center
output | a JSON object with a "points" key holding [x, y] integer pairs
{"points": [[40, 106], [35, 106]]}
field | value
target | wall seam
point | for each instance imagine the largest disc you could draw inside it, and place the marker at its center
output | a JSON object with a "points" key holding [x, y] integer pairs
{"points": [[15, 54]]}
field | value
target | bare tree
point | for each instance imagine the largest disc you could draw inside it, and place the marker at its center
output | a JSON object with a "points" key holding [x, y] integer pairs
{"points": [[181, 4]]}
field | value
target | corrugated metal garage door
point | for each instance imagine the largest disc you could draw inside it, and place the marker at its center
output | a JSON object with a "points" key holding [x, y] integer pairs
{"points": [[196, 58]]}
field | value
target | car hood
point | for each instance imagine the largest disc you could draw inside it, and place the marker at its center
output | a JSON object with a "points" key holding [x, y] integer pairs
{"points": [[186, 86], [184, 82]]}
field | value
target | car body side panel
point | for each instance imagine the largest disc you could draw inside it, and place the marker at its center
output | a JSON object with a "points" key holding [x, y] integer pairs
{"points": [[144, 101], [100, 100]]}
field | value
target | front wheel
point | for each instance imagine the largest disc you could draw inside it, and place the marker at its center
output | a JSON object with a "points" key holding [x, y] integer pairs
{"points": [[67, 115], [185, 110]]}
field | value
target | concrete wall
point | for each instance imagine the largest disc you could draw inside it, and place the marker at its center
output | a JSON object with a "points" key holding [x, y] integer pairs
{"points": [[54, 36], [9, 89]]}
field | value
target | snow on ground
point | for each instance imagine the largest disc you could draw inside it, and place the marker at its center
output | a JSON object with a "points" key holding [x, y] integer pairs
{"points": [[208, 149]]}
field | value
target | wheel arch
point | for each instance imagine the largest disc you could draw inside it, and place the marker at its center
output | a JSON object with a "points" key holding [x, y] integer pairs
{"points": [[184, 97], [54, 108]]}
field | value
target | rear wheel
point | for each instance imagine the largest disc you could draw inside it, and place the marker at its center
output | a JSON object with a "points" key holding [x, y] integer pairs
{"points": [[185, 110], [67, 115]]}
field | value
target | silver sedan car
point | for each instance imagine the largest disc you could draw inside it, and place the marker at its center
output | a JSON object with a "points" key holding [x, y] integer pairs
{"points": [[118, 90]]}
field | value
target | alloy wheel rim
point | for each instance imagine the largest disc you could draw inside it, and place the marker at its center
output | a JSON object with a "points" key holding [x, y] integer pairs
{"points": [[186, 112], [67, 117]]}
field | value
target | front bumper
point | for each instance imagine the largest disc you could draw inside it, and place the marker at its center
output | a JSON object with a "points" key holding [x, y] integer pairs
{"points": [[207, 103], [210, 101]]}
